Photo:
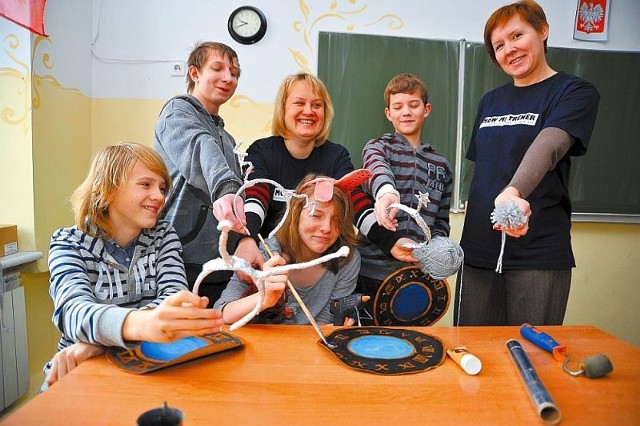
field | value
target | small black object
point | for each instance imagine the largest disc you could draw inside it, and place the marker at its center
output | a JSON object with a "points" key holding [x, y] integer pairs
{"points": [[345, 307], [163, 416]]}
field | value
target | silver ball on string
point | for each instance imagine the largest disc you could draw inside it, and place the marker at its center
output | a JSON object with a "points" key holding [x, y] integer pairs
{"points": [[440, 258]]}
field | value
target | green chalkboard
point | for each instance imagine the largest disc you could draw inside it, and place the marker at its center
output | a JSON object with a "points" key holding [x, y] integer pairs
{"points": [[357, 67]]}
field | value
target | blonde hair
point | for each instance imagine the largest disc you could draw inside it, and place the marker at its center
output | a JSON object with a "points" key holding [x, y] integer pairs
{"points": [[288, 235], [109, 171], [278, 125]]}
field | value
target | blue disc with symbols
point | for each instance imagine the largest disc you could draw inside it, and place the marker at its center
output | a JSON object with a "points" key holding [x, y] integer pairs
{"points": [[382, 350]]}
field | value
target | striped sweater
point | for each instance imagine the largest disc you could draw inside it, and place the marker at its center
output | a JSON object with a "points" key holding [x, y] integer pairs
{"points": [[392, 160], [92, 294]]}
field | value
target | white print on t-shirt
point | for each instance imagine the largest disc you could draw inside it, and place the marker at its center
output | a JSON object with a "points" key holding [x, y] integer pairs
{"points": [[278, 195], [526, 119]]}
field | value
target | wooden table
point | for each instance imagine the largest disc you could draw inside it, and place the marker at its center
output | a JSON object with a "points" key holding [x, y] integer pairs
{"points": [[283, 376]]}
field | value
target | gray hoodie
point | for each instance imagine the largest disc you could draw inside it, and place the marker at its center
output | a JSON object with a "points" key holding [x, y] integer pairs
{"points": [[199, 155]]}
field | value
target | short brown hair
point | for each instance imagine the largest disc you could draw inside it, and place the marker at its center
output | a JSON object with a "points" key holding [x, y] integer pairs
{"points": [[109, 171], [289, 238], [405, 83], [527, 10], [200, 54], [278, 126]]}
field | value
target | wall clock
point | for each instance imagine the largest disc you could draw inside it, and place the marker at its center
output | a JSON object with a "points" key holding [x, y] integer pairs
{"points": [[247, 25]]}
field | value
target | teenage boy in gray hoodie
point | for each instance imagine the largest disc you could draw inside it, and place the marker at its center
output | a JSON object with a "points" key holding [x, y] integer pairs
{"points": [[199, 153]]}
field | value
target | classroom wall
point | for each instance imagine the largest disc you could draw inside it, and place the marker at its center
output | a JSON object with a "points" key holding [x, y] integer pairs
{"points": [[104, 73], [16, 168]]}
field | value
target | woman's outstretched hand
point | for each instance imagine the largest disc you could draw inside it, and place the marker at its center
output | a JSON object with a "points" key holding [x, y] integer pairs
{"points": [[511, 194]]}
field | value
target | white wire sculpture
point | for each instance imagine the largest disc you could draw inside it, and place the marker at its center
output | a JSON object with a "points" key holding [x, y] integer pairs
{"points": [[423, 200], [227, 262]]}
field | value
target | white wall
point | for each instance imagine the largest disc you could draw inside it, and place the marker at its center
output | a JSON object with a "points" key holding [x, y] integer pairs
{"points": [[135, 42], [16, 170], [66, 54]]}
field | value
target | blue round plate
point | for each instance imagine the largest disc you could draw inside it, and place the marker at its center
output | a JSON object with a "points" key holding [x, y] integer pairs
{"points": [[409, 297], [383, 350]]}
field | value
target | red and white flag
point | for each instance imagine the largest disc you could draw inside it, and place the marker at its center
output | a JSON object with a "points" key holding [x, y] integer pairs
{"points": [[592, 20], [26, 13]]}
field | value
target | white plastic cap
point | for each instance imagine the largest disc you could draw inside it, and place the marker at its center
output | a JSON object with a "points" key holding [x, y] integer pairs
{"points": [[470, 364]]}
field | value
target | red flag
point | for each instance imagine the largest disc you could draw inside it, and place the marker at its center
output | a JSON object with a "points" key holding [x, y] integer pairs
{"points": [[592, 20], [26, 13]]}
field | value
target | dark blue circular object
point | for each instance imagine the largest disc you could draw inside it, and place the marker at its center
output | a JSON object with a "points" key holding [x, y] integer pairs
{"points": [[410, 297], [409, 302]]}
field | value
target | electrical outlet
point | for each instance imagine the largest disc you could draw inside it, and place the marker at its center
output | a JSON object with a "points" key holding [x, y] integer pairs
{"points": [[177, 69]]}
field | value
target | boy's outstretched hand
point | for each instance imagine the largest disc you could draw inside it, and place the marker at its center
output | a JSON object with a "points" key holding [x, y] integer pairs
{"points": [[387, 220], [223, 209], [69, 358], [402, 253], [179, 315]]}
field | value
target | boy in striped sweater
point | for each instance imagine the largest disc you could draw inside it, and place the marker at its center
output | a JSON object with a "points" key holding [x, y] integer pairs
{"points": [[117, 275], [403, 166]]}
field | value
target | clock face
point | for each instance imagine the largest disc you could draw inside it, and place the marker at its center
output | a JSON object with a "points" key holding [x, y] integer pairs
{"points": [[247, 25]]}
